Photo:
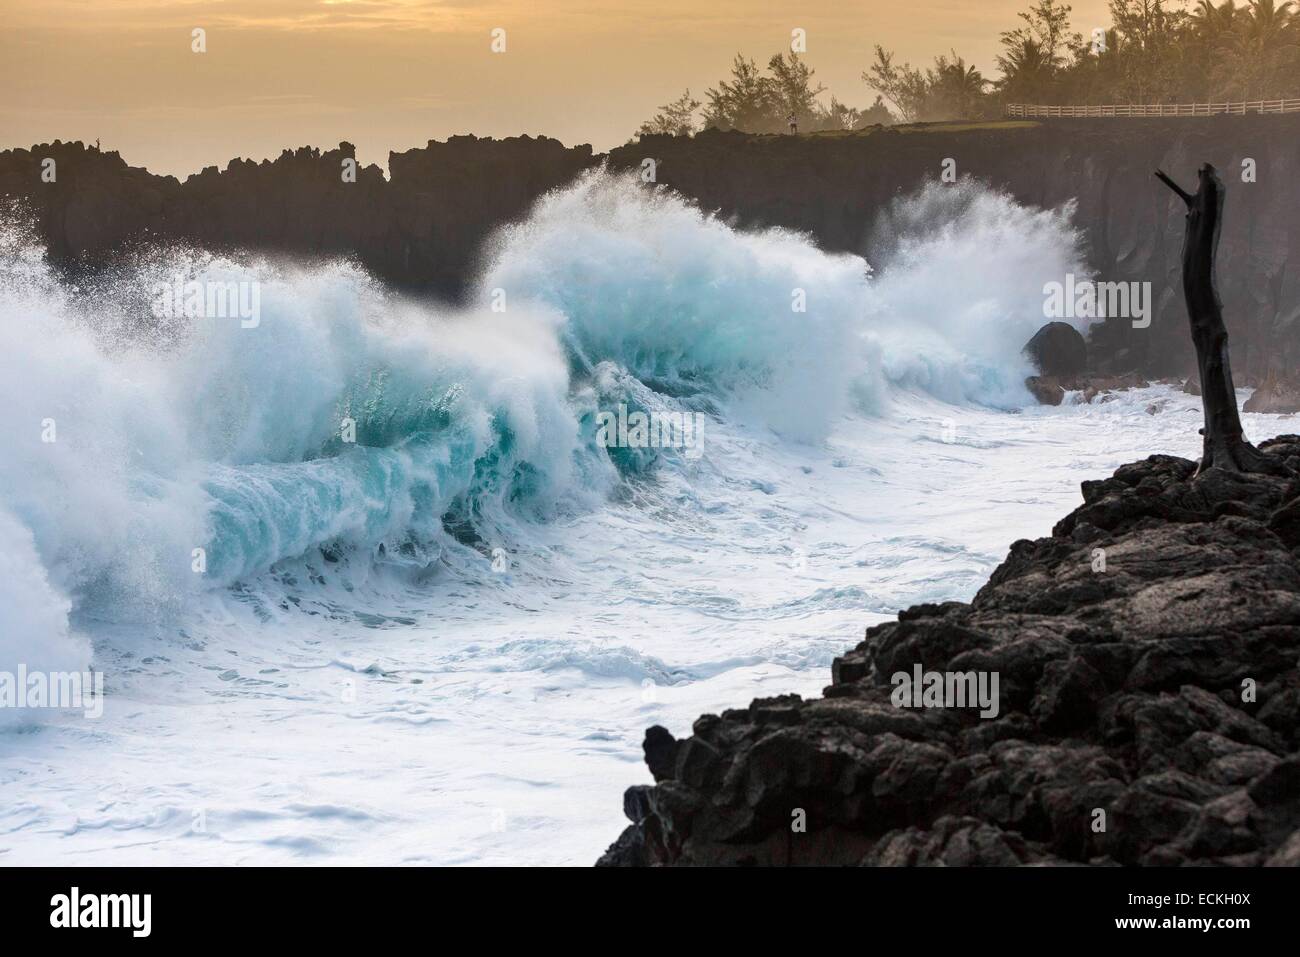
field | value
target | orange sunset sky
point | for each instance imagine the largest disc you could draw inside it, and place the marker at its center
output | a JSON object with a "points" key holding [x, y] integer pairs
{"points": [[391, 74]]}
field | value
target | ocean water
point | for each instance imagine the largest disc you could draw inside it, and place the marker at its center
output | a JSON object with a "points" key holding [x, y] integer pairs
{"points": [[442, 643]]}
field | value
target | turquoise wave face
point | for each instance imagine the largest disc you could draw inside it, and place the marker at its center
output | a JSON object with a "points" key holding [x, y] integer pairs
{"points": [[406, 498], [350, 421], [688, 306], [435, 427]]}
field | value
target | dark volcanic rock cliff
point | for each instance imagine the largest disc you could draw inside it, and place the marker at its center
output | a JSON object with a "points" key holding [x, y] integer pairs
{"points": [[423, 228], [835, 186], [1149, 713]]}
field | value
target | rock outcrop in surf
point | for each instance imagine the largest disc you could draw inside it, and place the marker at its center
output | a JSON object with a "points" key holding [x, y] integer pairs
{"points": [[1149, 706], [1058, 350], [1060, 357]]}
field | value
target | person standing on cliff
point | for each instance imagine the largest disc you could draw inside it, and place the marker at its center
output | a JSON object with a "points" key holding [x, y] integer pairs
{"points": [[794, 123]]}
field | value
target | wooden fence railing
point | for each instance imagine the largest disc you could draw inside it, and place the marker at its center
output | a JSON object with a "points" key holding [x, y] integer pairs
{"points": [[1158, 109]]}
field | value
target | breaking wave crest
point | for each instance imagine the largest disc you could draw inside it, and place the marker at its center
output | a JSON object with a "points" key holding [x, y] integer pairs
{"points": [[150, 459]]}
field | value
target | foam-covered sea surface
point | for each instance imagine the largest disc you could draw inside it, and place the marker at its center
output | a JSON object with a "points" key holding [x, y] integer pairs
{"points": [[442, 642]]}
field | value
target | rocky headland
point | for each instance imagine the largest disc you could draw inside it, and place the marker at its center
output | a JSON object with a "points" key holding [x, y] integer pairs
{"points": [[422, 227], [1149, 706]]}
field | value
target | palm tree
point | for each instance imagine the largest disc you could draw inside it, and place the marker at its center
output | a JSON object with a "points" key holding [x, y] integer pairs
{"points": [[1214, 24], [963, 79], [1268, 24], [1214, 32], [1262, 50], [958, 85], [1027, 70]]}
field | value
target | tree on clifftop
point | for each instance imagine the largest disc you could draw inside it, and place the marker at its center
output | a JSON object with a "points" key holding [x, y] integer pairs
{"points": [[757, 102], [1027, 73], [676, 118], [747, 102], [877, 113], [951, 89], [793, 91]]}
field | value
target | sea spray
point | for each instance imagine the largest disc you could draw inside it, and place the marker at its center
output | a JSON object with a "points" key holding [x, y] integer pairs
{"points": [[175, 436], [958, 289], [788, 334], [687, 304]]}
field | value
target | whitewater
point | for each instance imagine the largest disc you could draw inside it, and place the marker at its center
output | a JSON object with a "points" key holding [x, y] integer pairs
{"points": [[442, 642]]}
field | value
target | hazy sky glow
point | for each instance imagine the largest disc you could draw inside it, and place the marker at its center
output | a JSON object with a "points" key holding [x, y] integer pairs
{"points": [[392, 74]]}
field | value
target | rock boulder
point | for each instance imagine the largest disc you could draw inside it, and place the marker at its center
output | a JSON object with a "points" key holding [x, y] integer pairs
{"points": [[1148, 663], [1058, 350]]}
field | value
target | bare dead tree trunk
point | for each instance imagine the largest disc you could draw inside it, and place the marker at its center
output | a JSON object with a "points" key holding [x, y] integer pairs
{"points": [[1224, 446]]}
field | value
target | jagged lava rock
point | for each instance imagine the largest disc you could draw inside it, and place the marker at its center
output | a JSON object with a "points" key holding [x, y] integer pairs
{"points": [[1147, 654], [420, 229], [424, 228]]}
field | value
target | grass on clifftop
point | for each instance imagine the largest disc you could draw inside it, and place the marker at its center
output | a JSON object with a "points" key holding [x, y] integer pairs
{"points": [[947, 126]]}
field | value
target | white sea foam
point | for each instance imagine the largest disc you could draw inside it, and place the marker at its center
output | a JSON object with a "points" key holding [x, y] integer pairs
{"points": [[443, 642]]}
